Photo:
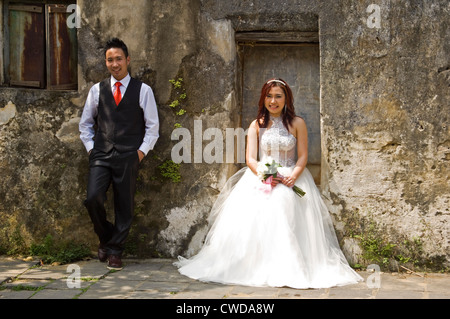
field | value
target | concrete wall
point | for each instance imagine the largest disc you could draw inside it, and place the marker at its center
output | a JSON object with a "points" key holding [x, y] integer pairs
{"points": [[384, 106]]}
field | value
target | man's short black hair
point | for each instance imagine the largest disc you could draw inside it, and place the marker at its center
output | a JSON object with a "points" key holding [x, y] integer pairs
{"points": [[118, 44]]}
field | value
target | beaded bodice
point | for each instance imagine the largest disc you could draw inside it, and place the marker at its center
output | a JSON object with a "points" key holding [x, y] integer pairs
{"points": [[278, 143]]}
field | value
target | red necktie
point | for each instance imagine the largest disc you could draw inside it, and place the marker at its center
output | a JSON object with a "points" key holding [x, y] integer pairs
{"points": [[117, 94]]}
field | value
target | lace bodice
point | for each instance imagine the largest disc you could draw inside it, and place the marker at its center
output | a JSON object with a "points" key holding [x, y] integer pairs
{"points": [[278, 143]]}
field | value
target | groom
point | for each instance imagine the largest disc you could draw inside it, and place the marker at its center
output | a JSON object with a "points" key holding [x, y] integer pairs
{"points": [[119, 126]]}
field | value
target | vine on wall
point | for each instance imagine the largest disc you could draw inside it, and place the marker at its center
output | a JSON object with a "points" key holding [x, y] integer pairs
{"points": [[177, 103]]}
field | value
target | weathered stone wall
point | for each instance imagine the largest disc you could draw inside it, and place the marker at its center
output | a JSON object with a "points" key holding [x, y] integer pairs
{"points": [[384, 108], [385, 100]]}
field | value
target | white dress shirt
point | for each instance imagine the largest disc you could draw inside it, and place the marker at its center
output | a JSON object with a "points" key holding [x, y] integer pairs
{"points": [[146, 102]]}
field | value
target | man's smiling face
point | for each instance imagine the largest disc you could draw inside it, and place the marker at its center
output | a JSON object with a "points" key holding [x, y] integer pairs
{"points": [[117, 63]]}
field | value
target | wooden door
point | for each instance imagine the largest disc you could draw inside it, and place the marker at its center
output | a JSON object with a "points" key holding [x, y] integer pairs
{"points": [[296, 63]]}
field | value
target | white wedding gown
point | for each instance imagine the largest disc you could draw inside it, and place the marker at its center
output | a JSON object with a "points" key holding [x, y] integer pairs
{"points": [[270, 239]]}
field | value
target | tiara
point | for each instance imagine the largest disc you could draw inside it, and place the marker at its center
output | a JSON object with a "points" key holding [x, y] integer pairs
{"points": [[268, 82]]}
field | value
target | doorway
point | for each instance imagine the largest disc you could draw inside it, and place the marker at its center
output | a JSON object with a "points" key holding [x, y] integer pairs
{"points": [[299, 65]]}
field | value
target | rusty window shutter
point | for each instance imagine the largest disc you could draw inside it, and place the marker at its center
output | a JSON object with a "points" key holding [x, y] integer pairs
{"points": [[27, 45], [62, 52], [43, 50]]}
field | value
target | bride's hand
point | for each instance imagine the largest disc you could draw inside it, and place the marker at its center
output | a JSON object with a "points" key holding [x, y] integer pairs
{"points": [[288, 181], [276, 181]]}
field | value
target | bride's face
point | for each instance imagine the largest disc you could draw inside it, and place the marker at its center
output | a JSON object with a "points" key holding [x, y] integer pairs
{"points": [[275, 101]]}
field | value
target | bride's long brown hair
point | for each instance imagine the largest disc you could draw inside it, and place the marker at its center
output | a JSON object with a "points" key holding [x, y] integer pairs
{"points": [[288, 113]]}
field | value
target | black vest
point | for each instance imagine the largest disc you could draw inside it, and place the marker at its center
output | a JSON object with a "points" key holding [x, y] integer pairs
{"points": [[119, 126]]}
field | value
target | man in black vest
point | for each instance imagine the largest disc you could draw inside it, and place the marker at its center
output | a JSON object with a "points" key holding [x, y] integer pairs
{"points": [[119, 126]]}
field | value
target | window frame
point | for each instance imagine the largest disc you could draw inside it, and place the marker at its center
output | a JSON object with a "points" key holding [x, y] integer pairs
{"points": [[70, 62]]}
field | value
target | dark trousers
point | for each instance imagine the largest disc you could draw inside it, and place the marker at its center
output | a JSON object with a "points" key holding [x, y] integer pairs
{"points": [[120, 170]]}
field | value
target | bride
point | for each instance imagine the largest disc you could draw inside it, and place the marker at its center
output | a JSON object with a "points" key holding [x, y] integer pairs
{"points": [[272, 237]]}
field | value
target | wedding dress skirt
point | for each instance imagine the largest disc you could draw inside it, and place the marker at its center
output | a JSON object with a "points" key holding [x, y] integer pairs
{"points": [[270, 238]]}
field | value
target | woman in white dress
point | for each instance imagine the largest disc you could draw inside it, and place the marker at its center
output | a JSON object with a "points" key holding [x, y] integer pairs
{"points": [[274, 237]]}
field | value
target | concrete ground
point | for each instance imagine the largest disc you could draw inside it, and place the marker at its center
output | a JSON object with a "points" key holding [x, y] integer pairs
{"points": [[159, 279]]}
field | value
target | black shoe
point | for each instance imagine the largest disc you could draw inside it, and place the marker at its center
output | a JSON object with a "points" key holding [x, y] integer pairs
{"points": [[114, 262], [102, 255]]}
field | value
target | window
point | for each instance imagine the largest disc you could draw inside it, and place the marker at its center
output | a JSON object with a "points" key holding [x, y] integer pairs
{"points": [[41, 50]]}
